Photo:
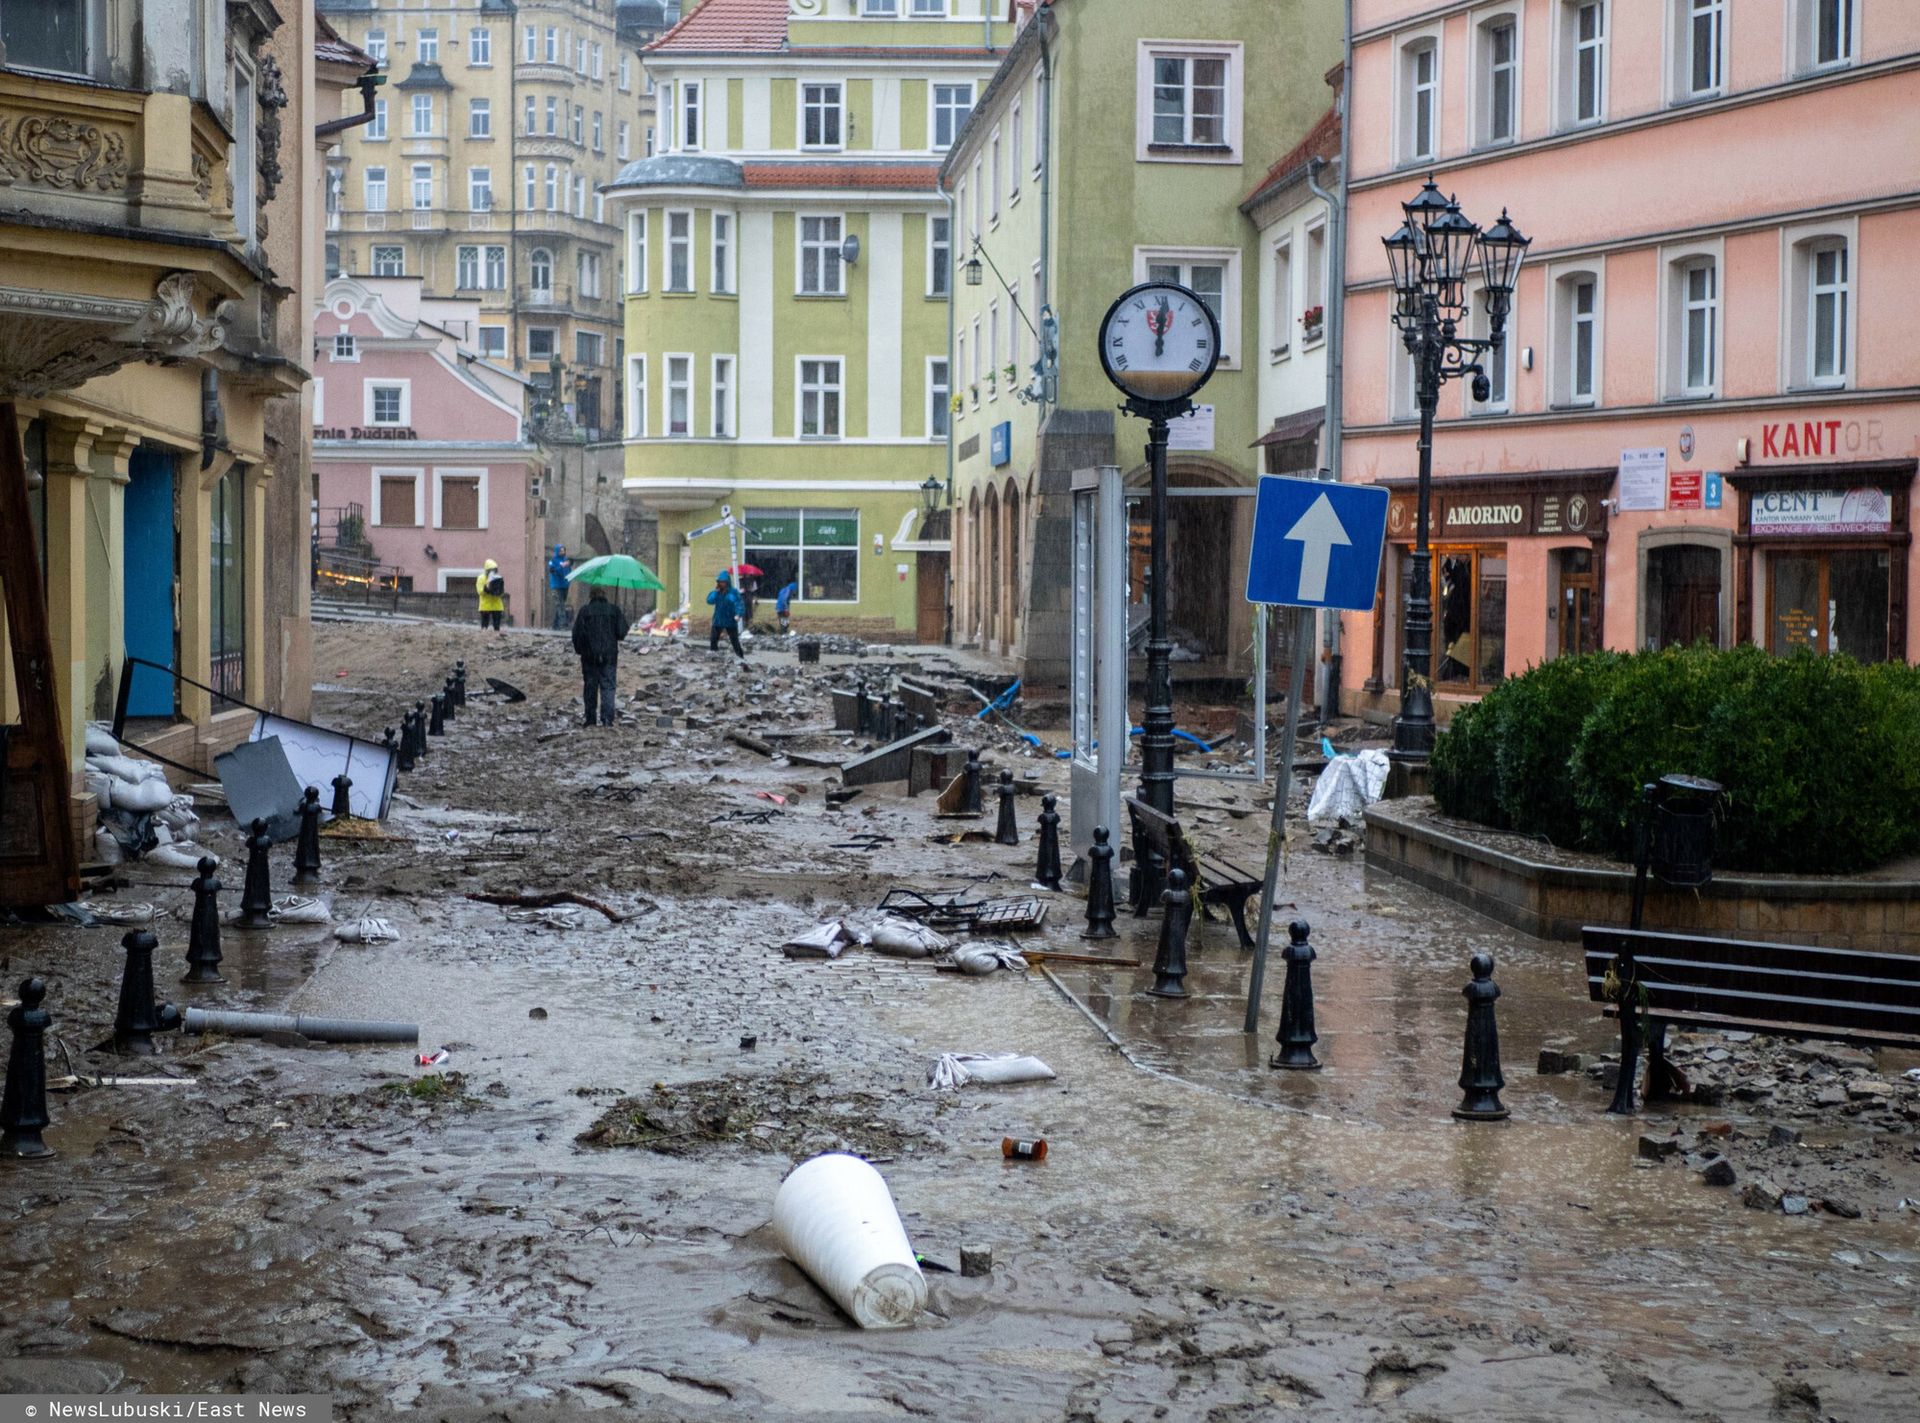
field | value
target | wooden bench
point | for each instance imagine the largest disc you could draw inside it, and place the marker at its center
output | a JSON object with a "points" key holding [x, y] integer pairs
{"points": [[1160, 845], [1784, 990]]}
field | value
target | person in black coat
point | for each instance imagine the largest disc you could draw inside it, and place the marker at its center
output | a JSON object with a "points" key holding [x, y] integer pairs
{"points": [[597, 633]]}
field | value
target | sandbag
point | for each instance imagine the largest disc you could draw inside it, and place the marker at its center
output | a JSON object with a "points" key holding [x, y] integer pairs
{"points": [[100, 741], [106, 848], [367, 931], [907, 938], [834, 1217], [141, 797], [953, 1070], [181, 855], [985, 957], [100, 787], [125, 768]]}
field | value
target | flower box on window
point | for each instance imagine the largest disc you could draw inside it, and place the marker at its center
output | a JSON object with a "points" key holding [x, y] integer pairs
{"points": [[1313, 323]]}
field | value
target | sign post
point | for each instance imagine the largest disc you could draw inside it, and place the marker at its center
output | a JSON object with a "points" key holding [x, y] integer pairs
{"points": [[1315, 545]]}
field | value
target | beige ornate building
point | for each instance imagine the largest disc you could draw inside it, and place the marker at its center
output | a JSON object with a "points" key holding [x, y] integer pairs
{"points": [[480, 174]]}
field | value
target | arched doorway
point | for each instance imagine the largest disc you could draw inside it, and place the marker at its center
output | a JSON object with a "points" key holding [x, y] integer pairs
{"points": [[972, 559], [1209, 521], [1010, 595], [990, 608]]}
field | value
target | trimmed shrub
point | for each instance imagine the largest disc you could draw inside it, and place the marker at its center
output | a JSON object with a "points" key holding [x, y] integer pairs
{"points": [[1539, 716], [1465, 768]]}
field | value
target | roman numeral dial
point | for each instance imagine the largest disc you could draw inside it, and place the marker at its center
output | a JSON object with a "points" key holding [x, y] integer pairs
{"points": [[1159, 343]]}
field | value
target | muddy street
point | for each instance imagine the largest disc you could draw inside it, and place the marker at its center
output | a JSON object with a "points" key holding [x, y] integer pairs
{"points": [[573, 1209]]}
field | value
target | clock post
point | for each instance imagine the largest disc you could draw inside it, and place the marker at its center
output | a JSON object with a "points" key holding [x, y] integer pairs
{"points": [[1159, 344]]}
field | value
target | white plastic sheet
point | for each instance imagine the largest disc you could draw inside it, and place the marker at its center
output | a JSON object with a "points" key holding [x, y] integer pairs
{"points": [[1347, 786]]}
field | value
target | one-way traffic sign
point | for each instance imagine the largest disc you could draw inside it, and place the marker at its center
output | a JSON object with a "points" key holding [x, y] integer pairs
{"points": [[1315, 544]]}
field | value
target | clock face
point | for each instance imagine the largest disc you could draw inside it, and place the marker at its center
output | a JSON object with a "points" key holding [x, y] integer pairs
{"points": [[1159, 342]]}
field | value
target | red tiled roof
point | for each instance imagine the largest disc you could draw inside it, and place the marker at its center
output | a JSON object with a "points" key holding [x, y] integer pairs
{"points": [[730, 26], [905, 177], [1322, 141]]}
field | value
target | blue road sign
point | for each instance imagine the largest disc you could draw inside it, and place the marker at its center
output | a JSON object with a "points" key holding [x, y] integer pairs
{"points": [[1316, 545]]}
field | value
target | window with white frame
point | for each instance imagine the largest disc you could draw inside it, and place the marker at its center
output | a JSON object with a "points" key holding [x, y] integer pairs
{"points": [[819, 397], [550, 184], [637, 251], [993, 178], [580, 195], [978, 189], [459, 499], [821, 115], [939, 255], [494, 274], [587, 265], [993, 350], [529, 44], [479, 46], [626, 73], [344, 347], [1419, 100], [1313, 325], [690, 115], [244, 167], [1823, 34], [479, 118], [1693, 324], [540, 274], [493, 341], [467, 268], [1820, 283], [1583, 62], [1014, 116], [960, 350], [880, 7], [532, 110], [599, 62], [722, 253], [1496, 365], [679, 396], [1280, 273], [422, 186], [1212, 274], [636, 397], [389, 261], [387, 402], [377, 129], [589, 348], [1699, 48], [1576, 374], [422, 122], [1191, 98], [649, 152], [722, 398], [541, 344], [621, 140], [951, 105], [930, 9], [820, 264], [579, 131], [429, 50], [397, 498], [480, 189], [939, 399], [1039, 120], [552, 47], [599, 132], [377, 47], [553, 116], [532, 177], [1498, 80], [679, 252], [817, 548]]}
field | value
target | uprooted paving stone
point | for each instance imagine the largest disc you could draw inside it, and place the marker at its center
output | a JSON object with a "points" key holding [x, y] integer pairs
{"points": [[795, 1115]]}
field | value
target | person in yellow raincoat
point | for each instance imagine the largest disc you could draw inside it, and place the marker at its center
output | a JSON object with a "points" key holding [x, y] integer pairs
{"points": [[492, 592]]}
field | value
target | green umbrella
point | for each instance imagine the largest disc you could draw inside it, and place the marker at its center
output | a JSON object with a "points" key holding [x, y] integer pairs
{"points": [[615, 570]]}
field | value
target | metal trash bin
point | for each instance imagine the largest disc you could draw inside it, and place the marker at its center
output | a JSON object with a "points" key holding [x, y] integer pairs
{"points": [[808, 649]]}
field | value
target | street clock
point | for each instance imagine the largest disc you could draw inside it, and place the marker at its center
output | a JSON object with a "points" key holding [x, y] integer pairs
{"points": [[1159, 344]]}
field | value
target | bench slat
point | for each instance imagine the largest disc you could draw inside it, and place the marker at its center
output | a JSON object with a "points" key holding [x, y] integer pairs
{"points": [[1661, 970], [1662, 999], [1744, 952], [1824, 1032]]}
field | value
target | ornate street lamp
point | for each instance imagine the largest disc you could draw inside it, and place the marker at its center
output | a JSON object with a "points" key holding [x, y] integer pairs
{"points": [[932, 492], [1431, 257]]}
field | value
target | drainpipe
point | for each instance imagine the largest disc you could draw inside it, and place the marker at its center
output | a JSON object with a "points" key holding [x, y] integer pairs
{"points": [[1329, 698], [953, 384], [367, 82], [1045, 119]]}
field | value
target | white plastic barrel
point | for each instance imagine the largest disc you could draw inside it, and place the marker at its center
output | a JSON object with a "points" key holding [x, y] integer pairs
{"points": [[835, 1219]]}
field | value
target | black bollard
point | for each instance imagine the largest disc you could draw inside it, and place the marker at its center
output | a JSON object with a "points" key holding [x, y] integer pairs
{"points": [[1170, 962], [460, 682], [1047, 870], [1296, 1036], [902, 720], [342, 807], [139, 1018], [1100, 887], [862, 707], [975, 805], [203, 939], [306, 849], [883, 718], [256, 891], [390, 742], [23, 1107], [420, 731], [1007, 832], [447, 699], [437, 722], [1480, 1076], [404, 751]]}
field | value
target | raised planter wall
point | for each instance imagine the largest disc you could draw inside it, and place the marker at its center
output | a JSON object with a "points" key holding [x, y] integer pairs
{"points": [[1553, 901]]}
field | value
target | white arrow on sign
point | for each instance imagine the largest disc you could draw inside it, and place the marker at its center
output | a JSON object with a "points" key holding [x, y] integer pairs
{"points": [[1317, 531]]}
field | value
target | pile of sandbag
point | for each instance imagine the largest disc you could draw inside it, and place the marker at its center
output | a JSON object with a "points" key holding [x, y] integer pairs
{"points": [[140, 815]]}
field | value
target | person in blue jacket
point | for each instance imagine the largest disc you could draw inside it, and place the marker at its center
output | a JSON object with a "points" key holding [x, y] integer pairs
{"points": [[726, 615], [783, 604], [558, 567]]}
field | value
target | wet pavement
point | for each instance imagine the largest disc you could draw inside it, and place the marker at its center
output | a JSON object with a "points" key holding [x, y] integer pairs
{"points": [[1207, 1238]]}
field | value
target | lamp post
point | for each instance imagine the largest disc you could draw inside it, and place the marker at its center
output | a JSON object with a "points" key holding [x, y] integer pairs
{"points": [[1431, 257], [932, 494]]}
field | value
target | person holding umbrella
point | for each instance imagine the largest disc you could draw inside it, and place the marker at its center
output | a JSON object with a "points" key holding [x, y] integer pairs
{"points": [[602, 625], [749, 577], [726, 615]]}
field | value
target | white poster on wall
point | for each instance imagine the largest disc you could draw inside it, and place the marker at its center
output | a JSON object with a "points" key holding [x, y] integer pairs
{"points": [[1643, 479], [1192, 431]]}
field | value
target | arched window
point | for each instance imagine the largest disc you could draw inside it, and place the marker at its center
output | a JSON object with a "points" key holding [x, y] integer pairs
{"points": [[540, 272]]}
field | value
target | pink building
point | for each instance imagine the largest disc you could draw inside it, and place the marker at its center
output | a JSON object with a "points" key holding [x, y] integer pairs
{"points": [[1707, 414], [420, 455]]}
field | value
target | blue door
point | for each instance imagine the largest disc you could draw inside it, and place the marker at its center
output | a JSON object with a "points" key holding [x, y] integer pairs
{"points": [[150, 568]]}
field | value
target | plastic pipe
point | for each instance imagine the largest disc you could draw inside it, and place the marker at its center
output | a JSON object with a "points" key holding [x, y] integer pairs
{"points": [[834, 1217], [324, 1030]]}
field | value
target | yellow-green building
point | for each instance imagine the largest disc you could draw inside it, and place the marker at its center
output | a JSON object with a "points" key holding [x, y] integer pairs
{"points": [[789, 266]]}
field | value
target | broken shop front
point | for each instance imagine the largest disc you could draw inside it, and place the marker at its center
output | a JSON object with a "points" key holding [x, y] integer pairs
{"points": [[1822, 557], [1517, 576]]}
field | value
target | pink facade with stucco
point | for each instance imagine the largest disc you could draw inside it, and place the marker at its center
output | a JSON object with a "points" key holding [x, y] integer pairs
{"points": [[426, 441], [1724, 202]]}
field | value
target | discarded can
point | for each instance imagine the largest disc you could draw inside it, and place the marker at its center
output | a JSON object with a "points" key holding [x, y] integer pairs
{"points": [[432, 1059], [1013, 1149]]}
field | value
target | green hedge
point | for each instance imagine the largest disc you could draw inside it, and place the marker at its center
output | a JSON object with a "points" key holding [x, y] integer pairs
{"points": [[1820, 755]]}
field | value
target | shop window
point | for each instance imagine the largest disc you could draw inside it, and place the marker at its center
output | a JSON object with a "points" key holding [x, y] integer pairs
{"points": [[1682, 602], [1469, 596], [228, 588], [817, 548], [1830, 601]]}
